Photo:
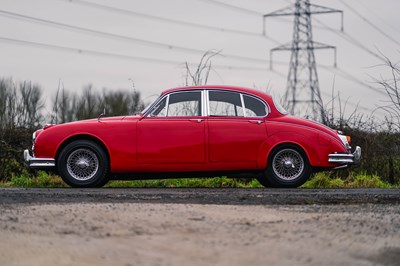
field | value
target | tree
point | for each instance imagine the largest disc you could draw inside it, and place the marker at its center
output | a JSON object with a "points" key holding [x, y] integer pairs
{"points": [[391, 86]]}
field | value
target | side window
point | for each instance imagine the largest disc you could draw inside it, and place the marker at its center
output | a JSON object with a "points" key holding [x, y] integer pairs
{"points": [[184, 104], [254, 107], [179, 104], [223, 103]]}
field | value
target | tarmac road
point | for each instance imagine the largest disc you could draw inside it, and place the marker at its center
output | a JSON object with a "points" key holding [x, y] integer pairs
{"points": [[180, 227], [224, 196]]}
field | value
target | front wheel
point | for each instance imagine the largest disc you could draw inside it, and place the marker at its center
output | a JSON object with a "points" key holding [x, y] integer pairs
{"points": [[288, 167], [83, 163]]}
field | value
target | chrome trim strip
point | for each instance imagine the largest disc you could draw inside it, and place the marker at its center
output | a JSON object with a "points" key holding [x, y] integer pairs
{"points": [[38, 163], [346, 158], [243, 106]]}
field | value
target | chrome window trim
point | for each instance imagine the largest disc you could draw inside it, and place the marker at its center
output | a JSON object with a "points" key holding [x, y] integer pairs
{"points": [[150, 111], [266, 106], [208, 103], [243, 106], [204, 101], [205, 104], [167, 105]]}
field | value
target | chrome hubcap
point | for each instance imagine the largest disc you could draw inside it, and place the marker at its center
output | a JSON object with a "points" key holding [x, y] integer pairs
{"points": [[82, 164], [288, 164]]}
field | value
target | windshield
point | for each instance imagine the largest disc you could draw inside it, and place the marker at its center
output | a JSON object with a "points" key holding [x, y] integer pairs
{"points": [[150, 105], [278, 106]]}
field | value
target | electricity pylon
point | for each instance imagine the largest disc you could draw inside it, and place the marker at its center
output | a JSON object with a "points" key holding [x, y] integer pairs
{"points": [[302, 94]]}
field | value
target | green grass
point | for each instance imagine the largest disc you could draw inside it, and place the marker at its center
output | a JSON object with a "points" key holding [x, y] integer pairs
{"points": [[41, 180], [216, 182], [320, 180]]}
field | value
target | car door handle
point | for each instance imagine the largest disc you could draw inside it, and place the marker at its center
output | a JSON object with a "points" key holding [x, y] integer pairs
{"points": [[258, 122], [199, 120]]}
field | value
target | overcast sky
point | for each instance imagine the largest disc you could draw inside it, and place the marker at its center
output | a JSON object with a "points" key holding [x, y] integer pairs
{"points": [[47, 40]]}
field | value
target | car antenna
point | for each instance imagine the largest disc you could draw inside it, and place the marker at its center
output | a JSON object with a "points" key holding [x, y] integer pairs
{"points": [[102, 114]]}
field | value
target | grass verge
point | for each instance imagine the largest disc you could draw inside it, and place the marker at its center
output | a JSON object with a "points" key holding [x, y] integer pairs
{"points": [[320, 180]]}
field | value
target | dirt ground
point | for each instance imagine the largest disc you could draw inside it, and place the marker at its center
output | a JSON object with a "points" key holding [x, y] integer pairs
{"points": [[193, 234]]}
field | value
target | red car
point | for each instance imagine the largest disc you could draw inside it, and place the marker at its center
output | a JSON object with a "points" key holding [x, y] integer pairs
{"points": [[193, 131]]}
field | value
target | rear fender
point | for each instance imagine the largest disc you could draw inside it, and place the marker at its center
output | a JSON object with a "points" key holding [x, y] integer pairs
{"points": [[307, 144]]}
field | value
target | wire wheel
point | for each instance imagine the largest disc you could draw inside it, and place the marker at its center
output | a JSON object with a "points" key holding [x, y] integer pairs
{"points": [[288, 164], [82, 164]]}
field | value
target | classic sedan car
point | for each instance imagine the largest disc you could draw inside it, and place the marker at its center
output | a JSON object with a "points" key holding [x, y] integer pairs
{"points": [[198, 131]]}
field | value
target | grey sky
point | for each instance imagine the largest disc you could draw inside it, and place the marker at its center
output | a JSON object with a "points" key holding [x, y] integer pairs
{"points": [[176, 43]]}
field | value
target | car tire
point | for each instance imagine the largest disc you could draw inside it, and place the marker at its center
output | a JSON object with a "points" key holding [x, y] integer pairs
{"points": [[288, 167], [83, 163]]}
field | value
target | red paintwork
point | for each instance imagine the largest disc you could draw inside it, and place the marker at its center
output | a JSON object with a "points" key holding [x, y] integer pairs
{"points": [[182, 144]]}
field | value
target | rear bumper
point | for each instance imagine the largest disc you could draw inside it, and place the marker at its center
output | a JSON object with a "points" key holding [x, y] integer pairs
{"points": [[33, 163], [346, 159]]}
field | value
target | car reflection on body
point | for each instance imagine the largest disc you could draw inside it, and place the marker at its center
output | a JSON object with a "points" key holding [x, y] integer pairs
{"points": [[197, 131]]}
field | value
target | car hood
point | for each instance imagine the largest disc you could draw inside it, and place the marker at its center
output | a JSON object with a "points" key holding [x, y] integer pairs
{"points": [[96, 120]]}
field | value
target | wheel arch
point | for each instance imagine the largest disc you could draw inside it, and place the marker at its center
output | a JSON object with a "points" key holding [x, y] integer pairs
{"points": [[288, 144], [267, 149], [84, 137]]}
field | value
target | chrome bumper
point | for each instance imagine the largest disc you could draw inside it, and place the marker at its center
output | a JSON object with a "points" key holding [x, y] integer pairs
{"points": [[38, 163], [346, 159]]}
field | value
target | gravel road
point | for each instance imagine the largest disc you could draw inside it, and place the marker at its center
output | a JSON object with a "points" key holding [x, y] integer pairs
{"points": [[199, 227]]}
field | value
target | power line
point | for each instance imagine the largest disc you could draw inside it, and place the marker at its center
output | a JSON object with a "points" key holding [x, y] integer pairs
{"points": [[61, 25], [349, 77], [357, 105], [168, 20], [157, 60], [351, 40], [118, 56], [338, 71], [343, 35], [119, 37], [233, 7], [143, 59], [377, 15], [369, 22]]}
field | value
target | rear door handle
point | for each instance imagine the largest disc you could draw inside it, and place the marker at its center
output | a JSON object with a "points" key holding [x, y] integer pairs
{"points": [[258, 122]]}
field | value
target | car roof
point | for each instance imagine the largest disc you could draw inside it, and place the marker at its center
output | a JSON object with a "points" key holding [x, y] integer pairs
{"points": [[258, 93]]}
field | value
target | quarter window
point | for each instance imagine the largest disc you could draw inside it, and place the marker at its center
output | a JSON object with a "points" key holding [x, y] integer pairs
{"points": [[254, 107]]}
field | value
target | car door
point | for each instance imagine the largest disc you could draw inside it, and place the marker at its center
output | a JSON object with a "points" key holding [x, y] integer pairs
{"points": [[173, 132], [236, 127]]}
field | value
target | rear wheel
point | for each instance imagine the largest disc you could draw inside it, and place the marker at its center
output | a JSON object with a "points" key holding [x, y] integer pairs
{"points": [[288, 167], [83, 163]]}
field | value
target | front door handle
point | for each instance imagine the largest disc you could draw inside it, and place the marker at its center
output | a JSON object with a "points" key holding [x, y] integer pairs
{"points": [[198, 120]]}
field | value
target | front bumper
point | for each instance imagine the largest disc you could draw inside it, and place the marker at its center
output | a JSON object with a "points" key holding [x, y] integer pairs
{"points": [[346, 159], [38, 163]]}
